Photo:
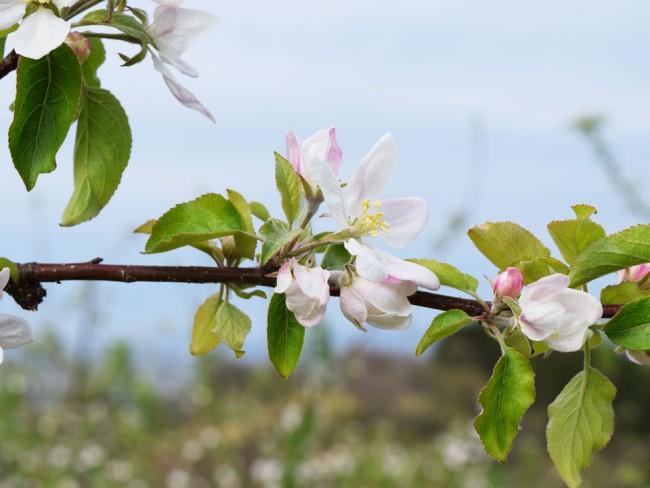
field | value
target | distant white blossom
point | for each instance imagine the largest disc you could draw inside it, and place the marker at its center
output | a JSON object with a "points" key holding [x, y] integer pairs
{"points": [[14, 331]]}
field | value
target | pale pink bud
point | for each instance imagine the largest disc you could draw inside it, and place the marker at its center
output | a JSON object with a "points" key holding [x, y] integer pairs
{"points": [[79, 44], [508, 284], [634, 273]]}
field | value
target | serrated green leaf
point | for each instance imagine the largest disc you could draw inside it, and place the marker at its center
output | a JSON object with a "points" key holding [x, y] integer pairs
{"points": [[617, 251], [203, 339], [285, 336], [245, 243], [206, 246], [443, 325], [205, 218], [231, 327], [622, 293], [276, 235], [630, 327], [519, 342], [93, 62], [288, 183], [145, 228], [449, 275], [47, 96], [122, 22], [101, 153], [336, 256], [505, 399], [260, 211], [581, 422], [572, 236], [583, 211], [507, 244]]}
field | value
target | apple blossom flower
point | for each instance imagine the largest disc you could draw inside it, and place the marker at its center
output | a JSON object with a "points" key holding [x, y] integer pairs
{"points": [[322, 146], [306, 290], [636, 273], [40, 32], [508, 283], [558, 315], [173, 29], [14, 331], [358, 208]]}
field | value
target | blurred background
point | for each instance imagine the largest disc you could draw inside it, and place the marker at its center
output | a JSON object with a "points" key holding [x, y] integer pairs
{"points": [[495, 109]]}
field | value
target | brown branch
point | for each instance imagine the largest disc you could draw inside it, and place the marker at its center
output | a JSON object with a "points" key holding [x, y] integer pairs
{"points": [[29, 293], [8, 64]]}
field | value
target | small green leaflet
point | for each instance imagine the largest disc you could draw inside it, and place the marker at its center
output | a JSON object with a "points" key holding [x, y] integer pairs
{"points": [[505, 399], [449, 275], [630, 327], [93, 62], [101, 153], [581, 421], [288, 183], [573, 236], [336, 256], [121, 22], [203, 339], [231, 327], [260, 211], [285, 336], [205, 218], [276, 236], [617, 251], [443, 325], [47, 96], [246, 243], [622, 293]]}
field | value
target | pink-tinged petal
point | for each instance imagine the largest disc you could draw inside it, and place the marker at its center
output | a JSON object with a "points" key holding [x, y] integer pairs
{"points": [[14, 332], [415, 273], [406, 218], [370, 178], [331, 188], [538, 320], [570, 335], [368, 263], [581, 304], [11, 12], [353, 306], [1, 355], [381, 297], [174, 28], [313, 282], [334, 153], [40, 33], [294, 154], [284, 278], [544, 288], [508, 283], [390, 321], [180, 65]]}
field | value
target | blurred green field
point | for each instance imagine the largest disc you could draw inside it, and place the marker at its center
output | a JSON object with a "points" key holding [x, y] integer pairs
{"points": [[359, 420]]}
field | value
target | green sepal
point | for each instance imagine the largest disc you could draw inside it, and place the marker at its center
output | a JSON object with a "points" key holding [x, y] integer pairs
{"points": [[336, 257], [285, 336], [288, 184], [449, 275], [443, 325], [522, 344], [573, 236], [276, 235], [204, 339], [506, 397], [581, 422], [630, 327]]}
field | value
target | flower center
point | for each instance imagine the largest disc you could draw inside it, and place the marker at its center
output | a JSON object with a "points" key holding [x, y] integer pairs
{"points": [[371, 223]]}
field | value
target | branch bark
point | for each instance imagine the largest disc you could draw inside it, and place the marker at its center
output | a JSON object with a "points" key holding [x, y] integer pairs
{"points": [[29, 292], [8, 64]]}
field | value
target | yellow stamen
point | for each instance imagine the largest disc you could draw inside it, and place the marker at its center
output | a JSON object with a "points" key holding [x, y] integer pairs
{"points": [[371, 223]]}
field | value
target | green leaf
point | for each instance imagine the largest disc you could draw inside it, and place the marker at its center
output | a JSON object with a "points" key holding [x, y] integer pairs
{"points": [[47, 96], [207, 217], [507, 244], [622, 293], [101, 153], [581, 421], [276, 235], [505, 399], [449, 275], [617, 251], [630, 327], [288, 183], [247, 294], [519, 342], [260, 211], [121, 22], [204, 339], [245, 243], [146, 228], [93, 62], [573, 236], [443, 325], [231, 327], [285, 336], [336, 256]]}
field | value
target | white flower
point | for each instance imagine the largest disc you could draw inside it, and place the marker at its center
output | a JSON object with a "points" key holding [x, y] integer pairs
{"points": [[174, 29], [40, 32], [358, 206], [322, 146], [14, 331], [306, 290], [558, 315]]}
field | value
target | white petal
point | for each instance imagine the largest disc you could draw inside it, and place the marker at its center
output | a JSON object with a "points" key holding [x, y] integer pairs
{"points": [[14, 332], [570, 335], [406, 218], [5, 274], [174, 28], [389, 321], [294, 153], [353, 306], [312, 281], [368, 262], [11, 11], [371, 177], [388, 299], [284, 278], [544, 288], [538, 320], [40, 33], [180, 65], [329, 184], [63, 3], [581, 304], [407, 271]]}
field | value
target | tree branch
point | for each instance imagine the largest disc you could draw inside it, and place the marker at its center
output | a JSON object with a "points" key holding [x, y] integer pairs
{"points": [[8, 64], [29, 293]]}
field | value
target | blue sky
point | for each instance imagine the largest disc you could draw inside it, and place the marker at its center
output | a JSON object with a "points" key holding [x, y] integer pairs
{"points": [[430, 72]]}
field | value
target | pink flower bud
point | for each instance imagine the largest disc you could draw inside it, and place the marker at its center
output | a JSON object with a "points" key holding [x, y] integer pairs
{"points": [[508, 284], [634, 273]]}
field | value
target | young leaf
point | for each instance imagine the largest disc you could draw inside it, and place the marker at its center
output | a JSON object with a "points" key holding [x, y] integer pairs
{"points": [[581, 421], [246, 243], [276, 236], [101, 153], [285, 336], [630, 327], [443, 325], [93, 62], [572, 236], [622, 293], [336, 256], [288, 183], [449, 275], [203, 339], [205, 218], [121, 22], [519, 342], [47, 96], [231, 327], [617, 251], [505, 399], [260, 211]]}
